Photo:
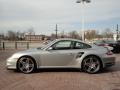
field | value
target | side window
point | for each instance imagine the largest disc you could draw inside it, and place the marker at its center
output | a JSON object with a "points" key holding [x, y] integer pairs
{"points": [[80, 45], [62, 45]]}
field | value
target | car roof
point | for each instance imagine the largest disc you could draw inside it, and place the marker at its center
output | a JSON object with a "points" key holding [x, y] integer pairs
{"points": [[72, 40], [60, 39], [68, 39]]}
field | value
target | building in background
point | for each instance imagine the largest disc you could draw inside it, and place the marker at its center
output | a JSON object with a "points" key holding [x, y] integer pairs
{"points": [[36, 37]]}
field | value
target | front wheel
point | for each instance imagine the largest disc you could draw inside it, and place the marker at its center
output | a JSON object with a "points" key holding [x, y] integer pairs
{"points": [[91, 64], [26, 65]]}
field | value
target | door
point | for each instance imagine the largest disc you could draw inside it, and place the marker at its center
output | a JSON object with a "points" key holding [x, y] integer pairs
{"points": [[59, 55]]}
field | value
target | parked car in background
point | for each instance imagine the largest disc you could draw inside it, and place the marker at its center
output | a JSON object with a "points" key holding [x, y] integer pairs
{"points": [[63, 53], [118, 41], [111, 43]]}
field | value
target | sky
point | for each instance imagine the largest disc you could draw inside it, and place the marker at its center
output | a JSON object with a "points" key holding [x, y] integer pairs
{"points": [[43, 15]]}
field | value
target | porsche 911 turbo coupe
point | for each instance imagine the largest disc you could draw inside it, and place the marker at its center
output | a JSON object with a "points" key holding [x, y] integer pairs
{"points": [[63, 53]]}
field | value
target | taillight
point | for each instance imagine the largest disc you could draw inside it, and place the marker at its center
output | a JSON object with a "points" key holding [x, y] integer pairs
{"points": [[109, 52]]}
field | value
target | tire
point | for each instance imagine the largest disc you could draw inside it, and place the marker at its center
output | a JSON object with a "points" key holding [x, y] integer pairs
{"points": [[26, 65], [91, 64]]}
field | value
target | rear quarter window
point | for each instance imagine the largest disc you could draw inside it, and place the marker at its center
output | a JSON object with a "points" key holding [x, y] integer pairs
{"points": [[80, 45]]}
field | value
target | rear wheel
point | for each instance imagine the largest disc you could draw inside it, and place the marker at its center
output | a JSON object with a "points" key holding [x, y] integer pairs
{"points": [[26, 65], [91, 64]]}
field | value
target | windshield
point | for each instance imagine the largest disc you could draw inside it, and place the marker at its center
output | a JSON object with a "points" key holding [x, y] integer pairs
{"points": [[50, 42]]}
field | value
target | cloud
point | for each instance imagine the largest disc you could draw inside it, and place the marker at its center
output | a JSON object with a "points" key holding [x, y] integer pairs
{"points": [[44, 14]]}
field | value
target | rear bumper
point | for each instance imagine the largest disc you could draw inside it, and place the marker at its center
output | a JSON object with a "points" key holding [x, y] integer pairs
{"points": [[108, 61]]}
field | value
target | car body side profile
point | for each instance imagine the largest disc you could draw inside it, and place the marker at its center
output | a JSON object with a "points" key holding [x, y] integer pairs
{"points": [[63, 53]]}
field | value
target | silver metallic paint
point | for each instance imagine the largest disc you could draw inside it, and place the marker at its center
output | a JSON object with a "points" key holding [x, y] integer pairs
{"points": [[60, 58]]}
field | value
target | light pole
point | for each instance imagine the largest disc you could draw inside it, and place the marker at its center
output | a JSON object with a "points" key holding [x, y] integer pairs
{"points": [[117, 32], [82, 9]]}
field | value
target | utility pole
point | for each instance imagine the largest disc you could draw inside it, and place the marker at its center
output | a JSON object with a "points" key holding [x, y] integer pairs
{"points": [[83, 21], [56, 30], [117, 32]]}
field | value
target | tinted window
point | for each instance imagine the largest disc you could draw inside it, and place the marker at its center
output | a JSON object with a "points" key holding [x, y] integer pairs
{"points": [[61, 45], [80, 45]]}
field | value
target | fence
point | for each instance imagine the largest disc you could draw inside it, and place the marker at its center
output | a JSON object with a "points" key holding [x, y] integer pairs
{"points": [[6, 45]]}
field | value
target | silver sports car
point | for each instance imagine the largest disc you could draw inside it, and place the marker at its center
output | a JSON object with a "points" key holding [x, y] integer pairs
{"points": [[63, 53]]}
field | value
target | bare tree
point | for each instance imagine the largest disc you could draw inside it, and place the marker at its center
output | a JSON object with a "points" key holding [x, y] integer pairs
{"points": [[53, 36], [31, 32], [107, 33], [62, 34], [90, 34], [98, 35], [1, 36], [20, 35], [74, 34], [11, 35]]}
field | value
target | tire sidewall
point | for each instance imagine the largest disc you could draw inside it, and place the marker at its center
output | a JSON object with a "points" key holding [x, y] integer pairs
{"points": [[34, 68], [86, 70]]}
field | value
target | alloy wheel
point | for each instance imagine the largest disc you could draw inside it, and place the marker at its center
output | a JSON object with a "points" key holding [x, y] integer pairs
{"points": [[91, 64], [26, 65]]}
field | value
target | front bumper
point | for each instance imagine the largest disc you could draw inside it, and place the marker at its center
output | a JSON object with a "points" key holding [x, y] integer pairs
{"points": [[11, 63]]}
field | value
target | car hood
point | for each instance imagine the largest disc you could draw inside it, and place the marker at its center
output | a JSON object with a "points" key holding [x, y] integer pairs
{"points": [[30, 51], [26, 52]]}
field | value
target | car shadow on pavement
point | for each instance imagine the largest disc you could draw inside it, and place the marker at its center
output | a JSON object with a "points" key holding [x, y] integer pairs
{"points": [[41, 70], [115, 68], [57, 70], [112, 69]]}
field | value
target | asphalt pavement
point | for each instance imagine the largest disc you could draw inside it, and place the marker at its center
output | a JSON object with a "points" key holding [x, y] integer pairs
{"points": [[58, 79]]}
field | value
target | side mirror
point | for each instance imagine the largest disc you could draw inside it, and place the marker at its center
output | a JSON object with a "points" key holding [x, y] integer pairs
{"points": [[50, 48]]}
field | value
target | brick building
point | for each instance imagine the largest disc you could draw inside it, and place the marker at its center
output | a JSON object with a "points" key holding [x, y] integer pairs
{"points": [[35, 37]]}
